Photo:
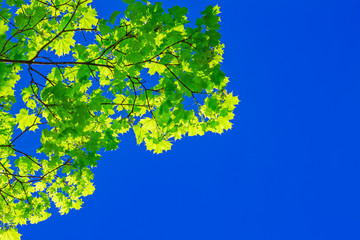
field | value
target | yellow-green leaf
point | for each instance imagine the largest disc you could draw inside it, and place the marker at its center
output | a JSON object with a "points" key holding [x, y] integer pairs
{"points": [[27, 120], [63, 43], [89, 19], [10, 234], [155, 67]]}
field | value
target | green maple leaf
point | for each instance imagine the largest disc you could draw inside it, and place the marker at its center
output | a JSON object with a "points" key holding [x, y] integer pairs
{"points": [[26, 120], [62, 44], [89, 19], [3, 27], [162, 146], [155, 67], [158, 147], [231, 101], [10, 234], [113, 16], [88, 190]]}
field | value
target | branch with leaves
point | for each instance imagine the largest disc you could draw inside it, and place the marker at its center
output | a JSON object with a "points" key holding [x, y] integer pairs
{"points": [[90, 80]]}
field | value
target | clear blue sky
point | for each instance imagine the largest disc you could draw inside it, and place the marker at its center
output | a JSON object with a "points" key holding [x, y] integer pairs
{"points": [[288, 170]]}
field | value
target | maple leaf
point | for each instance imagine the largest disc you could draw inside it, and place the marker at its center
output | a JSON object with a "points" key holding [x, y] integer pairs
{"points": [[62, 44], [113, 16], [231, 101], [10, 234], [88, 19], [3, 27], [162, 146], [155, 67], [26, 120], [158, 147]]}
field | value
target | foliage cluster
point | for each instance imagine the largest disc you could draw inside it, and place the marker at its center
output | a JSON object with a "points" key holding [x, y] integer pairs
{"points": [[89, 80]]}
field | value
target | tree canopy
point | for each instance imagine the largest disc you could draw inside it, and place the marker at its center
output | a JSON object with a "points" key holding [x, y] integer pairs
{"points": [[89, 80]]}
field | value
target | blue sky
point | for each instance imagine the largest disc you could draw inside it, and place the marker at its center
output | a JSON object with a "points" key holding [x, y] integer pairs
{"points": [[289, 168]]}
